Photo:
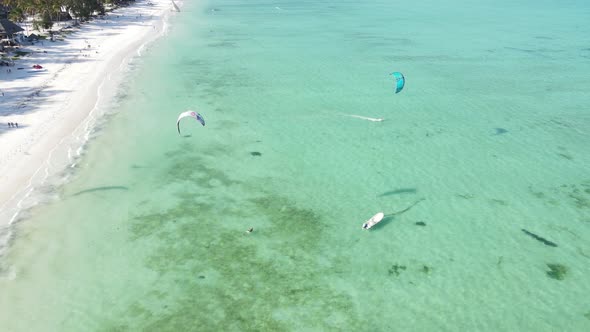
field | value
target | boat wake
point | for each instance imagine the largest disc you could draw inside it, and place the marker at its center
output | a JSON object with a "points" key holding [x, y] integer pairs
{"points": [[364, 117]]}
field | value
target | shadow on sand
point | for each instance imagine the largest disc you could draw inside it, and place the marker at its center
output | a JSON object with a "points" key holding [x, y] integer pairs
{"points": [[398, 192]]}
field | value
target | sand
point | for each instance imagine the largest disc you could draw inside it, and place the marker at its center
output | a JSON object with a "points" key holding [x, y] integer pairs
{"points": [[55, 107]]}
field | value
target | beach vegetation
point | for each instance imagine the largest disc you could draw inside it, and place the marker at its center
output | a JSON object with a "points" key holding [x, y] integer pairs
{"points": [[44, 22], [84, 9], [46, 12], [17, 14]]}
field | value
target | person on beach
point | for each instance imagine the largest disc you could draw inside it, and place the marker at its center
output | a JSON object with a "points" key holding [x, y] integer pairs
{"points": [[10, 125], [16, 124]]}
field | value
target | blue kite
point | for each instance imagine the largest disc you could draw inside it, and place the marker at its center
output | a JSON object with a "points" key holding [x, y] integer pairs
{"points": [[400, 81]]}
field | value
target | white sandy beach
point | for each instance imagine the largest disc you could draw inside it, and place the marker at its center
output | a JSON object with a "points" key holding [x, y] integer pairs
{"points": [[55, 106]]}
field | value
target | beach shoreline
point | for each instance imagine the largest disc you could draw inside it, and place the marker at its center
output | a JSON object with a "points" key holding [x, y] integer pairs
{"points": [[57, 107]]}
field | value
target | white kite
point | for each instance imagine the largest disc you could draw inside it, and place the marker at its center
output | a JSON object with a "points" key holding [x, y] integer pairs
{"points": [[191, 114]]}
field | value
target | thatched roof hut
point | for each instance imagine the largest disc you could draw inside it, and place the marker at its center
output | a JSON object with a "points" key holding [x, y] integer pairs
{"points": [[8, 28]]}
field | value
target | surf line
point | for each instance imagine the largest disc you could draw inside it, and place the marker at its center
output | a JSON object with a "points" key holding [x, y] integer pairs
{"points": [[364, 117]]}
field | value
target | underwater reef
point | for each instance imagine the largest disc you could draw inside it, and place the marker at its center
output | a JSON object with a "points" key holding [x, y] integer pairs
{"points": [[556, 271]]}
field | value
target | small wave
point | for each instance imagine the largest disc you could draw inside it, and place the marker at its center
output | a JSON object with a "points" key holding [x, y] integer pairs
{"points": [[7, 273]]}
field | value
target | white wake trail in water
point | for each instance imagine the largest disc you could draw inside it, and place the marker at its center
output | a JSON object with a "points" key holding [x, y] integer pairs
{"points": [[364, 117]]}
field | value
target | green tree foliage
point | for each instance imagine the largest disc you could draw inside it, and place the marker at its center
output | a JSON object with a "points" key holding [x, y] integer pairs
{"points": [[83, 9], [47, 11]]}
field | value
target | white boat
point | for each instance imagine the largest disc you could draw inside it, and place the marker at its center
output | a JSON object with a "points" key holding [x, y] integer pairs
{"points": [[373, 221]]}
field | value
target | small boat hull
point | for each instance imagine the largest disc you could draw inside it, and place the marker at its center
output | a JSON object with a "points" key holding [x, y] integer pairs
{"points": [[373, 221]]}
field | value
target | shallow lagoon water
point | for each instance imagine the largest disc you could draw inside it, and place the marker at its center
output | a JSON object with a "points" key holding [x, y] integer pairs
{"points": [[488, 138]]}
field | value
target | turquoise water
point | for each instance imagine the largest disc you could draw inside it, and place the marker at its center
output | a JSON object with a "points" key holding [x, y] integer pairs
{"points": [[489, 137]]}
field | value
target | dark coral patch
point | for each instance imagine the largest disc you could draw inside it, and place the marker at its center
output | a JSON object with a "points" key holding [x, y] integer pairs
{"points": [[557, 271]]}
